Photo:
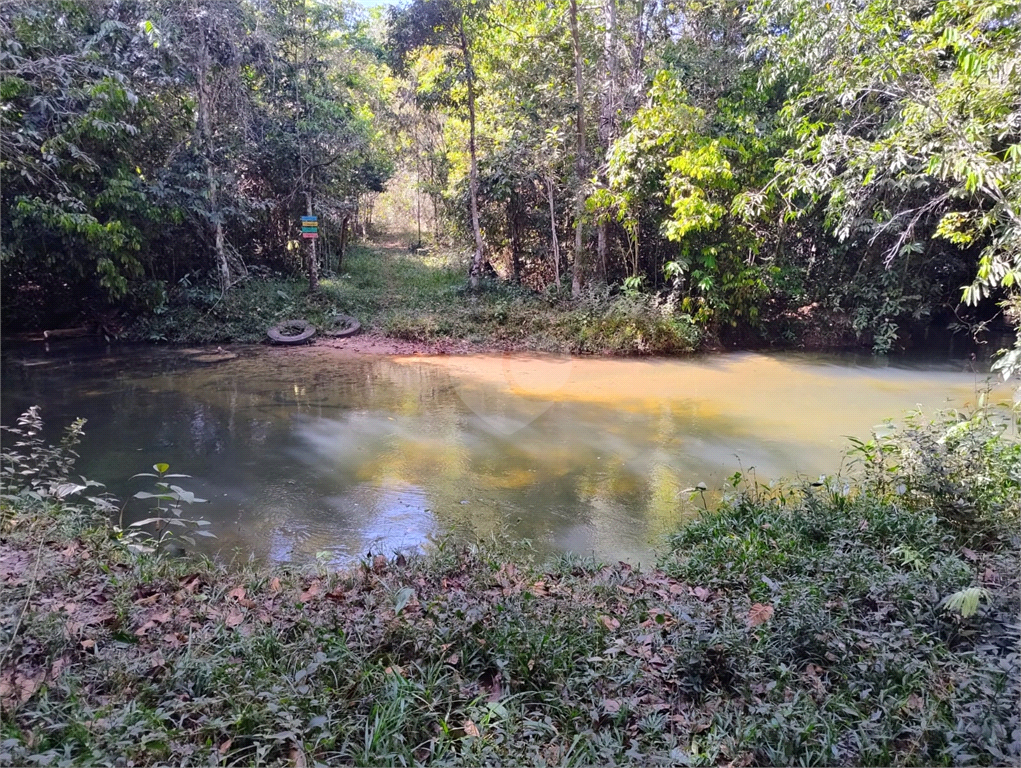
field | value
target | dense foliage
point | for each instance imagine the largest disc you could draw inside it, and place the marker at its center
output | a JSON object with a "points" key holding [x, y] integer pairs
{"points": [[766, 170], [869, 619], [856, 161], [151, 144]]}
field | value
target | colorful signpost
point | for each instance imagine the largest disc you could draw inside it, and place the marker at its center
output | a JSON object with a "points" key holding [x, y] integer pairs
{"points": [[310, 227]]}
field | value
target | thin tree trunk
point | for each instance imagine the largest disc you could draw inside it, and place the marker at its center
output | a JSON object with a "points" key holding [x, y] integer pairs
{"points": [[204, 98], [515, 237], [553, 230], [579, 245], [305, 173], [343, 242], [313, 267], [473, 179], [608, 119], [418, 189]]}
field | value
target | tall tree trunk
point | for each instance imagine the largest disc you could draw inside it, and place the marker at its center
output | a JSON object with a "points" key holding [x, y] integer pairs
{"points": [[513, 222], [313, 267], [204, 99], [553, 230], [418, 188], [418, 209], [579, 89], [343, 242], [608, 118], [473, 179]]}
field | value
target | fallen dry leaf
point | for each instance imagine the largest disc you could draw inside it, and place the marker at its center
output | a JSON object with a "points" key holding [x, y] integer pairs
{"points": [[173, 640], [759, 614], [611, 706], [234, 617], [88, 645], [71, 549], [312, 591], [58, 666], [814, 674], [470, 729], [701, 593], [274, 585], [492, 682], [454, 659], [508, 578], [148, 600], [17, 689], [238, 593], [225, 746], [610, 623]]}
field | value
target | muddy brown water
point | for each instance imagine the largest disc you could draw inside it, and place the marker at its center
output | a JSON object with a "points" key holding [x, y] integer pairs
{"points": [[311, 451]]}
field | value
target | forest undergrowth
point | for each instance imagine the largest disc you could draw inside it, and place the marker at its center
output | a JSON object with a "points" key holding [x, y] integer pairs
{"points": [[422, 296]]}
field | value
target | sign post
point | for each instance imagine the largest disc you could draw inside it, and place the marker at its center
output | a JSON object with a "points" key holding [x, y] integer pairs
{"points": [[310, 231], [310, 227]]}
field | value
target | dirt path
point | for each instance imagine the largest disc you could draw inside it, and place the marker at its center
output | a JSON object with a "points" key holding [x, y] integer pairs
{"points": [[390, 250]]}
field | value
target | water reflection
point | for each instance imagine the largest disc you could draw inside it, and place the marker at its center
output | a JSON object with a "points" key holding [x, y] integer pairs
{"points": [[308, 451]]}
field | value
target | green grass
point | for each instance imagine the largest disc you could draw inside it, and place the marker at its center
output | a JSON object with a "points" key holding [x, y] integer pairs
{"points": [[792, 625], [423, 297]]}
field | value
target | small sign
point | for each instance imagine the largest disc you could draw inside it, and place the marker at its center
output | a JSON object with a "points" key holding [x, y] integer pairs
{"points": [[310, 227]]}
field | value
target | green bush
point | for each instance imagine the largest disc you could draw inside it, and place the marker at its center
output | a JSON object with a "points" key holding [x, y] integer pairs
{"points": [[868, 658]]}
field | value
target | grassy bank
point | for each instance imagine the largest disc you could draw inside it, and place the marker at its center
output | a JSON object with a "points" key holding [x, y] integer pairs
{"points": [[863, 621], [422, 297]]}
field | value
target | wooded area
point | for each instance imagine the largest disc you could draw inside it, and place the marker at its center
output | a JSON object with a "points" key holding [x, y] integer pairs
{"points": [[740, 161]]}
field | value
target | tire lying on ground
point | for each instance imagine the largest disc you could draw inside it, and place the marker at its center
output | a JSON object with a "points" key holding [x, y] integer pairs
{"points": [[340, 326], [292, 332]]}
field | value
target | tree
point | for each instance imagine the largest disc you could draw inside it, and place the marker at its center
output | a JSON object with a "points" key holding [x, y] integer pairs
{"points": [[450, 24], [70, 118], [581, 164], [906, 125], [208, 45]]}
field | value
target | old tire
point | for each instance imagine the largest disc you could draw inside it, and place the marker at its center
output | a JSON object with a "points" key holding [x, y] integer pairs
{"points": [[342, 326], [292, 332]]}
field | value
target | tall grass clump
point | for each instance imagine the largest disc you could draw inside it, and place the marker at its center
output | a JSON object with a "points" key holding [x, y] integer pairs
{"points": [[889, 601]]}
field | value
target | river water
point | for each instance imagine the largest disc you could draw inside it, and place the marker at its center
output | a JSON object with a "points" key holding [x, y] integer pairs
{"points": [[316, 452]]}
